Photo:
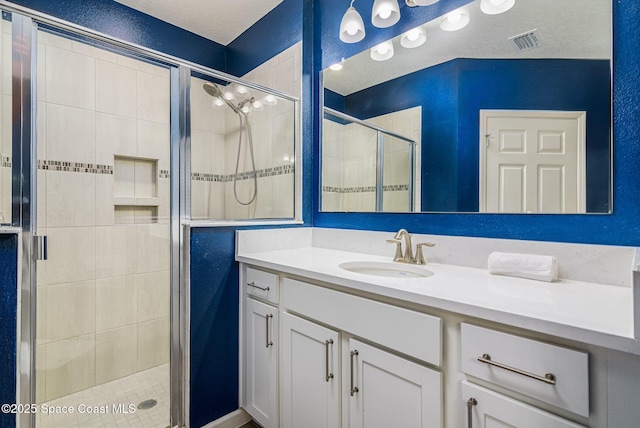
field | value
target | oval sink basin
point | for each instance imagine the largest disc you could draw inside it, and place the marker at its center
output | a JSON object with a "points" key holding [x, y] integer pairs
{"points": [[386, 269]]}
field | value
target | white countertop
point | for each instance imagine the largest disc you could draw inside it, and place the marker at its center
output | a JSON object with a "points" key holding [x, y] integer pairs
{"points": [[586, 312]]}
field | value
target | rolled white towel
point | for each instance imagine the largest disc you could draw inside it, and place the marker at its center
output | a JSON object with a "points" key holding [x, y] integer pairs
{"points": [[530, 266]]}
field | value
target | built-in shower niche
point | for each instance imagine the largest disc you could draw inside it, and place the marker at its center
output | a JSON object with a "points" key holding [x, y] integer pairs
{"points": [[135, 190]]}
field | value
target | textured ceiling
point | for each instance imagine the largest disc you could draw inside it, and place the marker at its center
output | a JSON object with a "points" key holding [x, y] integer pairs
{"points": [[218, 20], [568, 28]]}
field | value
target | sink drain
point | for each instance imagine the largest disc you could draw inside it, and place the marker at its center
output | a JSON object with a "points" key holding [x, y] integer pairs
{"points": [[147, 404]]}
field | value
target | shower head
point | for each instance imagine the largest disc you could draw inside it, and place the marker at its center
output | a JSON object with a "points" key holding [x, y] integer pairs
{"points": [[246, 101], [212, 89]]}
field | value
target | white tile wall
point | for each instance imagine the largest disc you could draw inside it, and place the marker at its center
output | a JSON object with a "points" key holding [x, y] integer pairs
{"points": [[104, 282], [70, 77], [115, 89], [349, 161], [214, 145], [116, 302]]}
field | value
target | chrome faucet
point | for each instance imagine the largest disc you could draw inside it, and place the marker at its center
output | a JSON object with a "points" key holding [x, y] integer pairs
{"points": [[408, 257]]}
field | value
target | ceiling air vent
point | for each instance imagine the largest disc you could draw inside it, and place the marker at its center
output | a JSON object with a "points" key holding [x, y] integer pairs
{"points": [[526, 41]]}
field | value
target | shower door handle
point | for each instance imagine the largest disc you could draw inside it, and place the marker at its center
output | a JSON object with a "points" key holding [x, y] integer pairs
{"points": [[40, 251]]}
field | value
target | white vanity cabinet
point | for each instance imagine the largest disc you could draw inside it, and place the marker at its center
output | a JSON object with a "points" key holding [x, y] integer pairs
{"points": [[316, 356], [548, 373], [489, 409], [310, 374], [390, 391], [261, 342], [379, 388]]}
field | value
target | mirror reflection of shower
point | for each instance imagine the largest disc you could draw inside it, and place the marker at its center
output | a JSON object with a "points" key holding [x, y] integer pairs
{"points": [[242, 109]]}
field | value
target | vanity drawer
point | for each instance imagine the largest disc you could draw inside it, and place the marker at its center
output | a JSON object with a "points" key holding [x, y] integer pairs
{"points": [[263, 285], [409, 332], [522, 365]]}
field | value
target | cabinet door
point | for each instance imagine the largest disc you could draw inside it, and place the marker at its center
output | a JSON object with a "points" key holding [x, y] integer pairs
{"points": [[488, 409], [310, 374], [389, 391], [261, 354]]}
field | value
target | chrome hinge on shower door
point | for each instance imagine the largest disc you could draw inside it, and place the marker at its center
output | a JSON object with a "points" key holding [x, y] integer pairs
{"points": [[40, 247]]}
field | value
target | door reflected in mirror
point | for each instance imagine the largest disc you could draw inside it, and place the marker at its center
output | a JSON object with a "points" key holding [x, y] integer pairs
{"points": [[547, 151]]}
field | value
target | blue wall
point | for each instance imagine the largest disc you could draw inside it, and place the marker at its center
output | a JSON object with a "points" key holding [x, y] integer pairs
{"points": [[451, 96], [8, 327], [279, 29], [622, 227], [214, 325]]}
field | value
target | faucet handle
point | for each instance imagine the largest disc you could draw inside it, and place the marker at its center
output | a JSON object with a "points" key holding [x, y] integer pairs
{"points": [[398, 257], [419, 256]]}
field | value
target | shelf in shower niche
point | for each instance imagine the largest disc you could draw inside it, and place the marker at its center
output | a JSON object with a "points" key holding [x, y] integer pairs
{"points": [[133, 202], [135, 214]]}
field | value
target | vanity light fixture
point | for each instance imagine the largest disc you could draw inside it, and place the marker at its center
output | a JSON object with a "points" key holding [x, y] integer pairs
{"points": [[351, 26], [455, 20], [383, 51], [413, 38], [385, 13], [494, 7], [414, 3]]}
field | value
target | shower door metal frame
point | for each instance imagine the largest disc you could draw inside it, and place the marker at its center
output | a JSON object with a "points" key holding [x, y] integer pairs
{"points": [[24, 202]]}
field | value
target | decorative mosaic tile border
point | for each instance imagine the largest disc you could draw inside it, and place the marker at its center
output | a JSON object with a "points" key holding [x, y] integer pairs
{"points": [[89, 168], [366, 189], [222, 178], [5, 162], [53, 165]]}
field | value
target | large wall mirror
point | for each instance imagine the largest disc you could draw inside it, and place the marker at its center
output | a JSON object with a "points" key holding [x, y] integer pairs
{"points": [[509, 114]]}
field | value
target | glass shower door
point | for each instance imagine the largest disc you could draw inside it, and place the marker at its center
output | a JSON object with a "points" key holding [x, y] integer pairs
{"points": [[103, 201]]}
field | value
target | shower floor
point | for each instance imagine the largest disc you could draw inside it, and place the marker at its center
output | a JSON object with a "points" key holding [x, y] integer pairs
{"points": [[133, 389]]}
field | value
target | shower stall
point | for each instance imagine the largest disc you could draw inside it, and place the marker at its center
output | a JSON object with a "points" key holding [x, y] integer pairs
{"points": [[369, 165], [253, 133], [107, 153]]}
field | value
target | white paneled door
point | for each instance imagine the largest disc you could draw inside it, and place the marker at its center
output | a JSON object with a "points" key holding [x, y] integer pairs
{"points": [[532, 161]]}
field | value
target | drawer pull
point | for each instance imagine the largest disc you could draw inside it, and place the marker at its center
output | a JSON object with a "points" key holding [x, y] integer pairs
{"points": [[354, 389], [267, 318], [548, 378], [253, 284], [470, 403], [328, 375]]}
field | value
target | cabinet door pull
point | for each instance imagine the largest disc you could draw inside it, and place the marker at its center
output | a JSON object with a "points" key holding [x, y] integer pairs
{"points": [[354, 389], [470, 403], [326, 367], [269, 342], [253, 284], [548, 378]]}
